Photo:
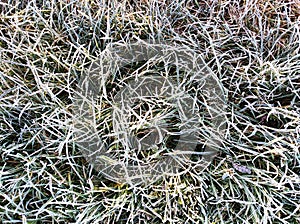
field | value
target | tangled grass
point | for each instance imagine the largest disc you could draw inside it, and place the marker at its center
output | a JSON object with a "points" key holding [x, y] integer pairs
{"points": [[253, 48]]}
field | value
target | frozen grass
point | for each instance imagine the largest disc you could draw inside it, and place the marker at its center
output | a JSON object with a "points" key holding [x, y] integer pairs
{"points": [[252, 46]]}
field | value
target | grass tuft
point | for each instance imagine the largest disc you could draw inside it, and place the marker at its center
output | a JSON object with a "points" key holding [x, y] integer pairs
{"points": [[252, 46]]}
